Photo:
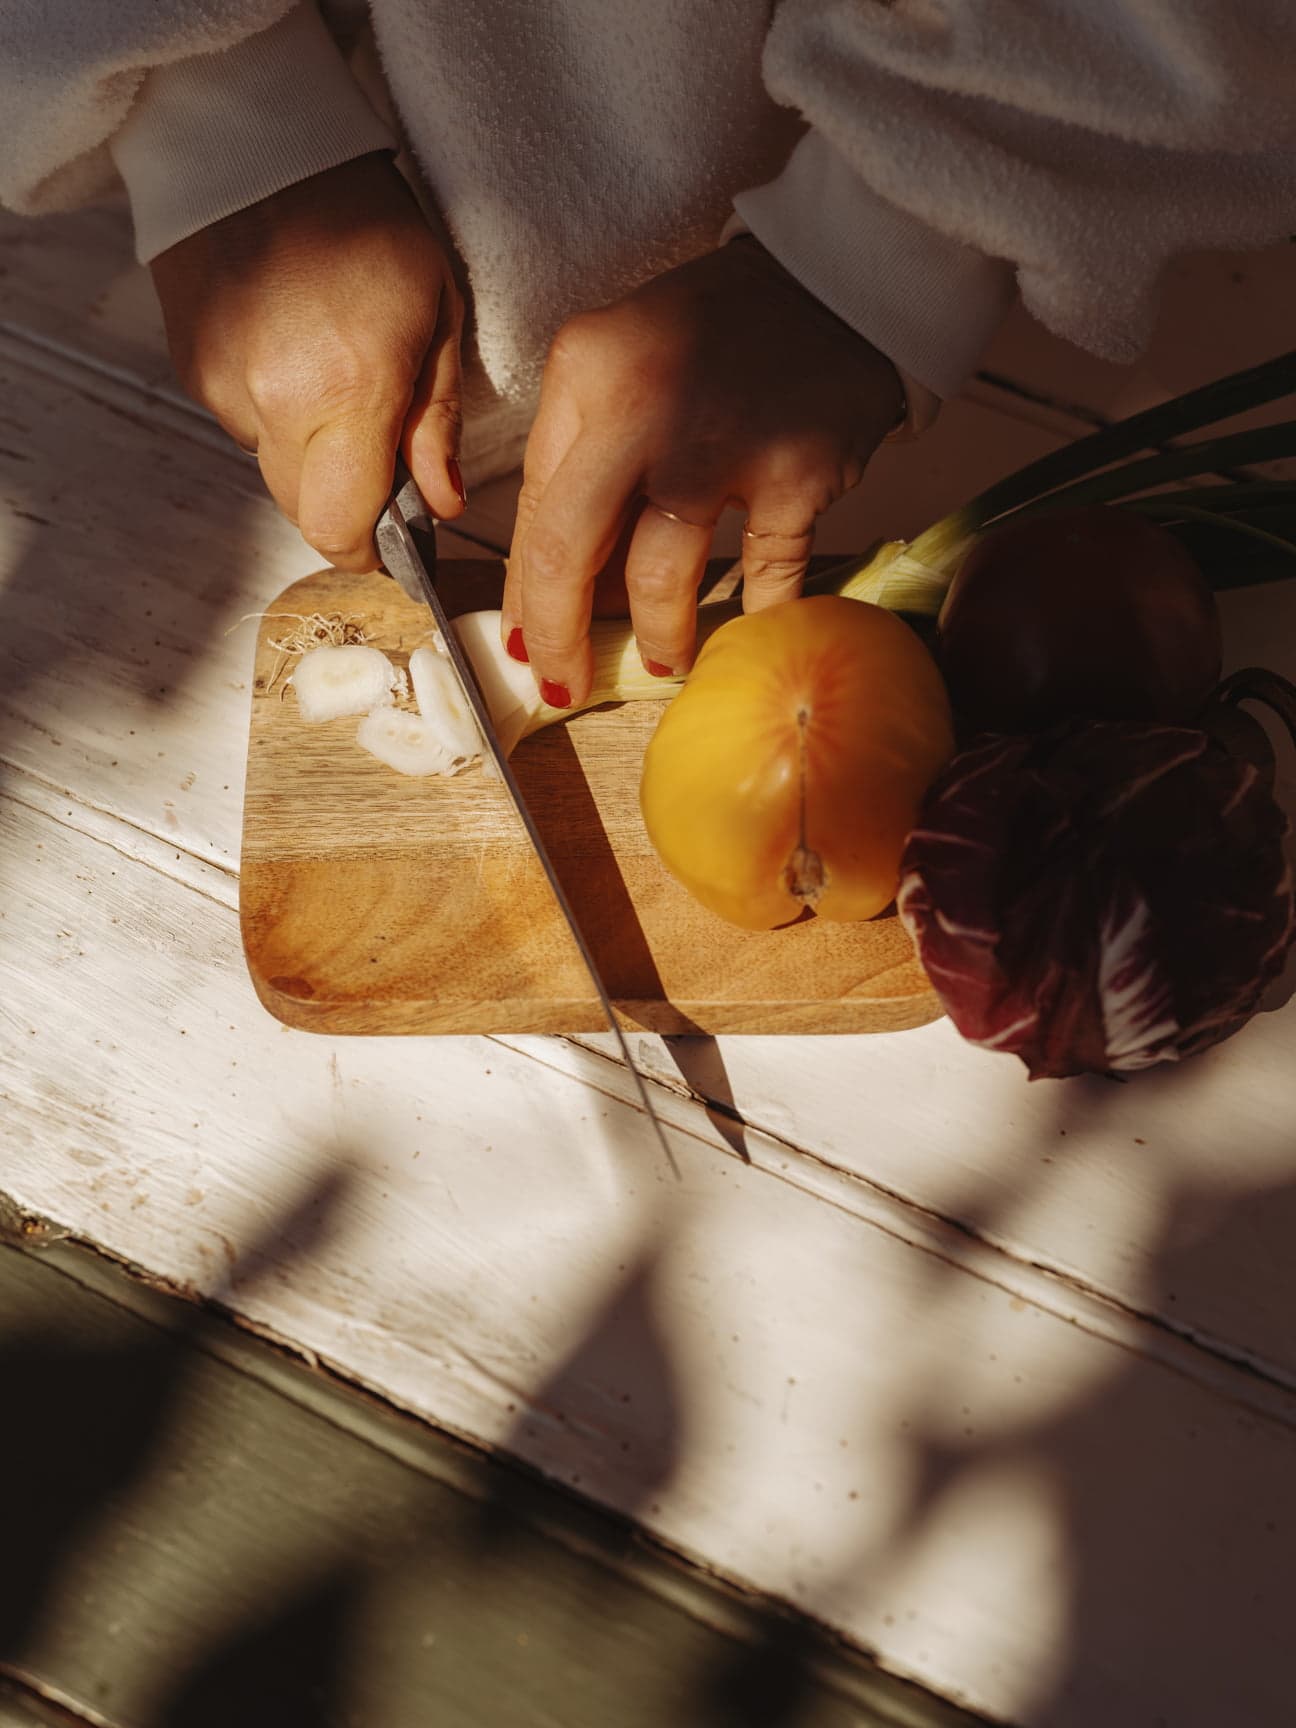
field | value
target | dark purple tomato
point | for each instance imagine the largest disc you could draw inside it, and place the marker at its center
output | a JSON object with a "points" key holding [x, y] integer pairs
{"points": [[1090, 613]]}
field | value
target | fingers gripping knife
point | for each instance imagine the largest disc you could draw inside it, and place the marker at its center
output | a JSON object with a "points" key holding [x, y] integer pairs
{"points": [[406, 537]]}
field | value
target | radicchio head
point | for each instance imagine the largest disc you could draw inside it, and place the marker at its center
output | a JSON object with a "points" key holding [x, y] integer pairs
{"points": [[1099, 898]]}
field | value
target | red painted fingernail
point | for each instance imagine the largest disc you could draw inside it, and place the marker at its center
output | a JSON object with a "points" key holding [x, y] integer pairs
{"points": [[657, 670], [456, 478], [516, 646], [556, 695]]}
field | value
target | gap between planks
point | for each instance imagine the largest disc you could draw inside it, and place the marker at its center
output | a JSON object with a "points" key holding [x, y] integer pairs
{"points": [[113, 386], [74, 367], [169, 409], [1064, 1294], [26, 1702], [213, 878]]}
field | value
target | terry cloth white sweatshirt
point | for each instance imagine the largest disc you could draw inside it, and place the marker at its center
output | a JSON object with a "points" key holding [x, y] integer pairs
{"points": [[912, 163]]}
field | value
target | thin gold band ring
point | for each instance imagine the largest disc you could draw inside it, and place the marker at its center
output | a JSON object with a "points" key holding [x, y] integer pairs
{"points": [[671, 516]]}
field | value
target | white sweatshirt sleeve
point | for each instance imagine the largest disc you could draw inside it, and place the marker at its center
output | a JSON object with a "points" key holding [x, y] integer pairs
{"points": [[215, 133], [957, 144], [201, 109], [69, 73]]}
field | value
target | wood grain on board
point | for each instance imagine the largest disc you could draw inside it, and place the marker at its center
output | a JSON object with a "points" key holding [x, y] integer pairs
{"points": [[376, 903]]}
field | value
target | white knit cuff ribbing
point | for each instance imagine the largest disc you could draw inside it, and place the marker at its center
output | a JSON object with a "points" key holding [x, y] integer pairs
{"points": [[928, 303], [215, 133]]}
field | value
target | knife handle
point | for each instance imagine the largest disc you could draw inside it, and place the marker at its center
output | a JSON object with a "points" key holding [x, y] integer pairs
{"points": [[408, 509]]}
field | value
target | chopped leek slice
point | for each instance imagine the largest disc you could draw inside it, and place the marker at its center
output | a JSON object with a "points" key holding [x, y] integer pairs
{"points": [[335, 681]]}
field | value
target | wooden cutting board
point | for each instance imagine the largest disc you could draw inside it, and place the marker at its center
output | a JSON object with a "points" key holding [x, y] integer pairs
{"points": [[375, 903]]}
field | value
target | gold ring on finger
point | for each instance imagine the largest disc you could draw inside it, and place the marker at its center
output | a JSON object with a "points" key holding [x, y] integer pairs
{"points": [[672, 516]]}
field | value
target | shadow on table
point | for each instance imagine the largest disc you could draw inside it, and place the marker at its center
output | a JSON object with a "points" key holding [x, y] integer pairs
{"points": [[1161, 1559], [1157, 1505], [91, 1394], [1171, 1557], [135, 535]]}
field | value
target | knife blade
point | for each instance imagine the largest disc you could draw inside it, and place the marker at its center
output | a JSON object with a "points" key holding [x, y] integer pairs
{"points": [[406, 537]]}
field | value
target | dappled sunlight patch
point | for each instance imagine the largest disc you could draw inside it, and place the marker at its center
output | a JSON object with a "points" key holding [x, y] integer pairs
{"points": [[952, 1602]]}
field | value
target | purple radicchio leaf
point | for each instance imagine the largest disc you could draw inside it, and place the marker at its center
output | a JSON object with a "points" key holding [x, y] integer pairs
{"points": [[1100, 898]]}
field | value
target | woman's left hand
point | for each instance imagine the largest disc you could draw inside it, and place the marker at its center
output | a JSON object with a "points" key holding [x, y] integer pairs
{"points": [[722, 382]]}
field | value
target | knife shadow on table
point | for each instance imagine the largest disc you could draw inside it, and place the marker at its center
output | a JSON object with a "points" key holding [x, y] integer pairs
{"points": [[557, 792]]}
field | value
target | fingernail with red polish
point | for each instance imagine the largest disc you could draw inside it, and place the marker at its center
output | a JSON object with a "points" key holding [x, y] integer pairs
{"points": [[657, 670], [456, 478], [556, 695], [516, 646]]}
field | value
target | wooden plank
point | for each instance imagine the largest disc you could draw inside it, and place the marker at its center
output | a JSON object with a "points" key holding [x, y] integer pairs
{"points": [[71, 281], [71, 288], [817, 1392], [372, 902], [241, 1518]]}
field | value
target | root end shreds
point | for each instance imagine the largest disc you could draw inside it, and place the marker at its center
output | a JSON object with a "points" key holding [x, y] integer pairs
{"points": [[313, 630]]}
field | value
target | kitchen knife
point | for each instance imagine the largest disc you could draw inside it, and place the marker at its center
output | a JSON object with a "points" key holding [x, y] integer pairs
{"points": [[406, 536]]}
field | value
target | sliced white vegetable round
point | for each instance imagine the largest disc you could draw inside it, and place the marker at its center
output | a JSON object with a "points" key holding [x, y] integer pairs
{"points": [[331, 682], [409, 743], [442, 703], [508, 685]]}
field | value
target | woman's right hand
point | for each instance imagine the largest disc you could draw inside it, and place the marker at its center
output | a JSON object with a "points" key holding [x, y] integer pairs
{"points": [[321, 327]]}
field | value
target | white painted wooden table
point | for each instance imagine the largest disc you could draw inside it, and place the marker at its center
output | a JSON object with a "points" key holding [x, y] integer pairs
{"points": [[997, 1379]]}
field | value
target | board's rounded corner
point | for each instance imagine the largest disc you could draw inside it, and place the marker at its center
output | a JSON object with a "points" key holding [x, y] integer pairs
{"points": [[282, 1002]]}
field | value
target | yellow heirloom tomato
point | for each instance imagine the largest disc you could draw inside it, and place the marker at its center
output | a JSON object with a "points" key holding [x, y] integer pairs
{"points": [[788, 771]]}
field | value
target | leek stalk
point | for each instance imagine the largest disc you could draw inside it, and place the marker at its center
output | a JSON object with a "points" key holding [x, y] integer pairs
{"points": [[914, 576]]}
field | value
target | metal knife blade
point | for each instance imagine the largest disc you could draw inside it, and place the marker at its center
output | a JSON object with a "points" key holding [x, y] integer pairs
{"points": [[406, 537]]}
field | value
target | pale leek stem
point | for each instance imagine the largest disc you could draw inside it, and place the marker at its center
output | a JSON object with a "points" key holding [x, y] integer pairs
{"points": [[903, 576], [915, 576]]}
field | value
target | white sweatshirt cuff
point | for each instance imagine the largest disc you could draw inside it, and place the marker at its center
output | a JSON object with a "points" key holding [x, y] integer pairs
{"points": [[928, 303], [215, 133]]}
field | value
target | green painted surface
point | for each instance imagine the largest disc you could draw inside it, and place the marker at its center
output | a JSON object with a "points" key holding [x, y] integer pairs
{"points": [[201, 1532]]}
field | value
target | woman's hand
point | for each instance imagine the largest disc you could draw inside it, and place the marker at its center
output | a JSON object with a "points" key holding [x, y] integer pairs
{"points": [[321, 327], [722, 382]]}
